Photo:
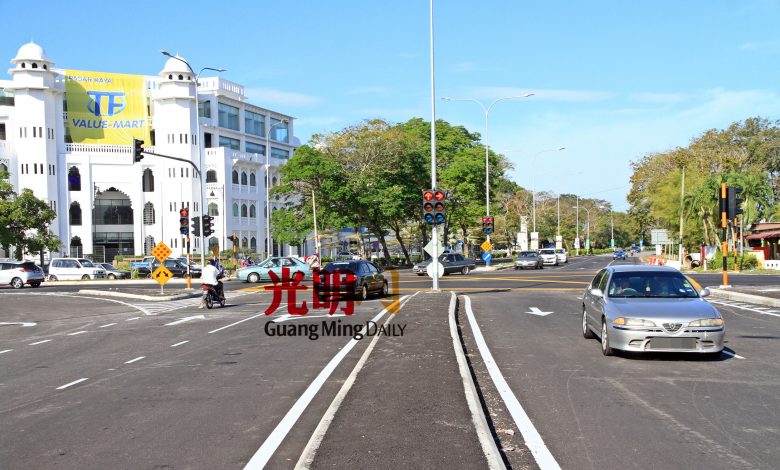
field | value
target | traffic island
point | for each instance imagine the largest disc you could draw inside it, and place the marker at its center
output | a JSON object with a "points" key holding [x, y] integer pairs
{"points": [[143, 294]]}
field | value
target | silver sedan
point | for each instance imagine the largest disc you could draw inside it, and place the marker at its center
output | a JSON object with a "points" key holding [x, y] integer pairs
{"points": [[650, 308]]}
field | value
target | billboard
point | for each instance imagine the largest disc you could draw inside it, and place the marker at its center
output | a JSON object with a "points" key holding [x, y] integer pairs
{"points": [[106, 108]]}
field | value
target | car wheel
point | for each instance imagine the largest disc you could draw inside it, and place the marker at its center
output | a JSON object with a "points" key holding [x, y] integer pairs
{"points": [[420, 274], [35, 284], [586, 332], [516, 268], [385, 289], [17, 283], [52, 278], [363, 293], [222, 303], [112, 276], [605, 348], [465, 270], [85, 277], [254, 277], [541, 266]]}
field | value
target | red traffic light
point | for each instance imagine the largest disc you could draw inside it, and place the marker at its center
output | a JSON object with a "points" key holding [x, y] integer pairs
{"points": [[184, 212], [439, 195], [427, 195]]}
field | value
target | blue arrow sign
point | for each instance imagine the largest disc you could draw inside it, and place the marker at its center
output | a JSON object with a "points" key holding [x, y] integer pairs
{"points": [[140, 264], [486, 257]]}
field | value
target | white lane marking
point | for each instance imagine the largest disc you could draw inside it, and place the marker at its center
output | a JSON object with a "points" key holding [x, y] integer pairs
{"points": [[77, 333], [532, 438], [141, 309], [741, 307], [135, 360], [538, 312], [186, 319], [5, 351], [20, 323], [287, 317], [729, 353], [39, 342], [236, 323], [134, 318], [105, 326], [272, 442], [72, 383], [180, 343]]}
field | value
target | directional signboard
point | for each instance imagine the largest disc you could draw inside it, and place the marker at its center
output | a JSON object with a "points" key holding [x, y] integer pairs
{"points": [[430, 246], [439, 270], [162, 275], [486, 257], [161, 252], [487, 246]]}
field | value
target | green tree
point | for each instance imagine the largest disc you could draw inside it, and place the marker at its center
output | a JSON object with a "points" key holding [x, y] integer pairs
{"points": [[24, 222]]}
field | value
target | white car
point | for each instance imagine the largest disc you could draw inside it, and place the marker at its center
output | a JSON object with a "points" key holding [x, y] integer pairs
{"points": [[549, 256], [74, 268], [562, 255]]}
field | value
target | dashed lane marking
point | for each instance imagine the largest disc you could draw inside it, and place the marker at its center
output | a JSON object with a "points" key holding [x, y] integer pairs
{"points": [[5, 351], [180, 343], [62, 387], [135, 360], [105, 326], [77, 333], [39, 342]]}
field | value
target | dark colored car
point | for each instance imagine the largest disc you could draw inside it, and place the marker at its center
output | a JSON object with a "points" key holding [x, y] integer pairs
{"points": [[452, 262], [620, 253], [174, 266], [113, 273], [357, 278]]}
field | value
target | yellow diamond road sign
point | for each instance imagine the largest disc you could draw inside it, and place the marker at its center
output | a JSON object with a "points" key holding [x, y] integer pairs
{"points": [[487, 246], [162, 275], [161, 252]]}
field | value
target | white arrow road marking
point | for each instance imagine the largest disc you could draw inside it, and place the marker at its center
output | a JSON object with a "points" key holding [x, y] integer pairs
{"points": [[185, 319], [536, 311], [21, 323]]}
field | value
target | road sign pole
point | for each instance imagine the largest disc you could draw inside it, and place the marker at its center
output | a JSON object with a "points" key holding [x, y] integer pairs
{"points": [[189, 276]]}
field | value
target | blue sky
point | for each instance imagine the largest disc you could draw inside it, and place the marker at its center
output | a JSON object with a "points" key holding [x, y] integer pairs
{"points": [[613, 80]]}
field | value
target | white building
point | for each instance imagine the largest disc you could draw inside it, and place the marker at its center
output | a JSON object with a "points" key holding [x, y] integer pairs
{"points": [[105, 203]]}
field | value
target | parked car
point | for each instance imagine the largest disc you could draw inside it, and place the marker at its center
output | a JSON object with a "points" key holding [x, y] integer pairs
{"points": [[563, 256], [452, 262], [18, 273], [549, 256], [260, 272], [650, 308], [620, 253], [112, 272], [74, 268], [357, 278], [176, 268], [528, 259]]}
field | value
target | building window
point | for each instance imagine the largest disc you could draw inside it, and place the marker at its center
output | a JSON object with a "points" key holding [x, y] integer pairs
{"points": [[252, 211], [254, 123], [243, 178], [2, 129], [74, 179], [227, 142], [228, 116], [235, 209], [244, 243], [235, 177], [243, 210], [252, 179], [76, 249], [279, 153], [148, 181], [75, 213], [252, 147], [34, 65], [273, 182], [3, 170], [149, 244], [279, 130], [148, 213], [253, 244], [211, 176], [204, 109], [213, 209]]}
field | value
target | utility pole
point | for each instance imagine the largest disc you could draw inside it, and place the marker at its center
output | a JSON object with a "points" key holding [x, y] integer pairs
{"points": [[682, 219]]}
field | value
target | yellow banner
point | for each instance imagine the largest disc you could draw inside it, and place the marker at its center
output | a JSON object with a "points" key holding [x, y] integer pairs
{"points": [[106, 108]]}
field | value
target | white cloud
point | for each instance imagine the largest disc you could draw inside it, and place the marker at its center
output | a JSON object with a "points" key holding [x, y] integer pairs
{"points": [[541, 94], [270, 96]]}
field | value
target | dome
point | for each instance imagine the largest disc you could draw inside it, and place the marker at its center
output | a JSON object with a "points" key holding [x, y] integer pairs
{"points": [[175, 66], [31, 52]]}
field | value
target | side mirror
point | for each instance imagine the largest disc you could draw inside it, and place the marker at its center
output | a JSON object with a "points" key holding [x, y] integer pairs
{"points": [[704, 292], [596, 293]]}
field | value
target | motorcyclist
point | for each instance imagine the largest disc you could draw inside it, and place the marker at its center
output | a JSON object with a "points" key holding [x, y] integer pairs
{"points": [[210, 277]]}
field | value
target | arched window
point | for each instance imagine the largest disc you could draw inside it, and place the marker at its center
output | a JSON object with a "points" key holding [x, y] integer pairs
{"points": [[235, 209], [244, 243], [148, 213], [181, 77], [148, 181], [243, 178], [273, 182], [34, 65], [74, 179], [211, 176], [213, 209], [76, 250], [253, 244], [75, 213], [3, 170], [149, 244], [243, 210], [252, 211], [235, 177], [252, 179]]}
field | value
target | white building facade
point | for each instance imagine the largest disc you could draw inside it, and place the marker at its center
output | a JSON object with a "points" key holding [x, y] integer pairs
{"points": [[108, 205]]}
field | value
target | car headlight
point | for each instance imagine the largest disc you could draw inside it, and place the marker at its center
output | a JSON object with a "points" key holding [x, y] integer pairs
{"points": [[632, 322], [707, 322]]}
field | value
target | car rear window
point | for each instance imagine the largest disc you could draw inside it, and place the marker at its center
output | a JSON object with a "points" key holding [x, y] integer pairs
{"points": [[331, 267], [29, 266]]}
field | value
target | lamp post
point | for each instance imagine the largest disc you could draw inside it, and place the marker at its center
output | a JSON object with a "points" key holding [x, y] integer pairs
{"points": [[577, 227], [198, 145], [487, 144], [268, 183], [587, 237], [533, 185]]}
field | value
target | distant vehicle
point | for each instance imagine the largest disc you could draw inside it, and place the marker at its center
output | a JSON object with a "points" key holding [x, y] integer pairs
{"points": [[18, 273], [548, 256], [112, 272], [563, 257], [528, 259], [177, 268], [347, 255], [452, 262], [260, 272], [650, 308], [620, 253], [357, 278], [74, 268]]}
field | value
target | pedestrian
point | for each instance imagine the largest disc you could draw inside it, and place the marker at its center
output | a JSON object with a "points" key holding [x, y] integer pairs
{"points": [[243, 262]]}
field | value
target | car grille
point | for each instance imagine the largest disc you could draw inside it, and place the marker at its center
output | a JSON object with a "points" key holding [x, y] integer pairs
{"points": [[672, 343], [672, 327]]}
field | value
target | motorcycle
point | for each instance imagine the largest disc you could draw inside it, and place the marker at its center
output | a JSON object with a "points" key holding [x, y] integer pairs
{"points": [[210, 296]]}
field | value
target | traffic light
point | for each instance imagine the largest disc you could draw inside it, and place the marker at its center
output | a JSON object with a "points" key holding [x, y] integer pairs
{"points": [[208, 225], [733, 203], [196, 226], [428, 206], [184, 221], [722, 199], [487, 225], [233, 238], [138, 150], [439, 206]]}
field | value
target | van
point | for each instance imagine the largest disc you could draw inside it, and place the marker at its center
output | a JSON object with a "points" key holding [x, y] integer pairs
{"points": [[74, 268]]}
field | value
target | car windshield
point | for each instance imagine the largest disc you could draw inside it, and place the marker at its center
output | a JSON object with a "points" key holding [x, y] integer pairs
{"points": [[528, 254], [651, 284], [560, 251], [86, 263], [548, 252]]}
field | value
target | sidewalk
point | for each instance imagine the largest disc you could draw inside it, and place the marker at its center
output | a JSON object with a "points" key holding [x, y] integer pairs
{"points": [[768, 296], [407, 407]]}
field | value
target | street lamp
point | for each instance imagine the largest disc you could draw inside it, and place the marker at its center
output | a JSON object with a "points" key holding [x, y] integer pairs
{"points": [[533, 185], [197, 143], [268, 183], [487, 144]]}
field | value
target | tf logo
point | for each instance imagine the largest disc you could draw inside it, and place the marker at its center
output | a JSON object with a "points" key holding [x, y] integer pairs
{"points": [[106, 103]]}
